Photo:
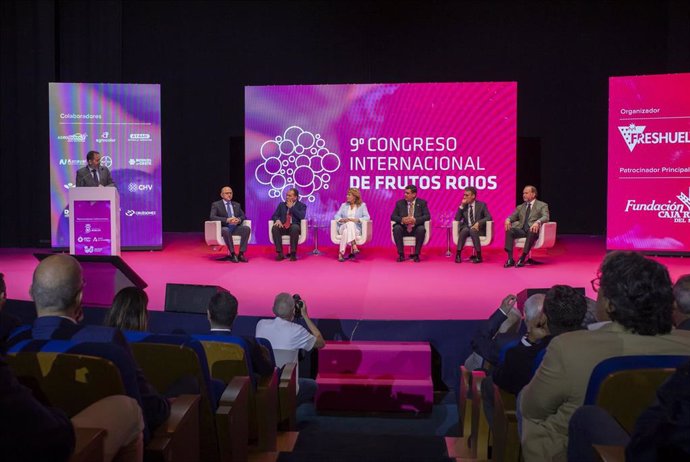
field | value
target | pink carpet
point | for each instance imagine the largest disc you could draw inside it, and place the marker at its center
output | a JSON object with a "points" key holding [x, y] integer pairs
{"points": [[373, 287]]}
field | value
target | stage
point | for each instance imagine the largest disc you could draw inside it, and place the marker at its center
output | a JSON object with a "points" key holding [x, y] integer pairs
{"points": [[372, 287]]}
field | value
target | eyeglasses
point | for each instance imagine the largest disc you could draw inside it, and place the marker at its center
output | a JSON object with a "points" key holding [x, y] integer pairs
{"points": [[596, 283]]}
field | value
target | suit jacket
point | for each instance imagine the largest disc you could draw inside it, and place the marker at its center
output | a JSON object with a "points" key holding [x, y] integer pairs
{"points": [[421, 212], [481, 216], [487, 343], [558, 388], [84, 177], [219, 213], [517, 368], [298, 211], [361, 212], [540, 212]]}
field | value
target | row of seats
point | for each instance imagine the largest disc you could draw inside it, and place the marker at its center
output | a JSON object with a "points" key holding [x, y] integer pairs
{"points": [[546, 240], [208, 427], [624, 386]]}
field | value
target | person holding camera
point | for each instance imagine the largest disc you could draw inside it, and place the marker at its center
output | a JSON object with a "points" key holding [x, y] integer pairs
{"points": [[287, 335]]}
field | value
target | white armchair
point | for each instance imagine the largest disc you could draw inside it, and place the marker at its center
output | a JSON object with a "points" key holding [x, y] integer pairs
{"points": [[286, 239], [214, 238], [367, 232], [411, 241], [546, 239], [483, 240]]}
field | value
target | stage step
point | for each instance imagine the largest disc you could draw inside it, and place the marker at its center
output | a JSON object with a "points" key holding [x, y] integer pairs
{"points": [[375, 376]]}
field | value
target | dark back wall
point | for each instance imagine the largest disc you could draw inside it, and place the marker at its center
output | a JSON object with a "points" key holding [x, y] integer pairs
{"points": [[204, 53]]}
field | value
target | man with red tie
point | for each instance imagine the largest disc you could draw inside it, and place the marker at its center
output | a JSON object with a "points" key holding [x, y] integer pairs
{"points": [[525, 221], [409, 217], [286, 221]]}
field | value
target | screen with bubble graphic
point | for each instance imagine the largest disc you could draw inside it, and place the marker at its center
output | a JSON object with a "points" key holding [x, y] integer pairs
{"points": [[122, 122], [323, 139]]}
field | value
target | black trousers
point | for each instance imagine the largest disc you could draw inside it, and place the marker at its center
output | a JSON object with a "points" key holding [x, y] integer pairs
{"points": [[278, 232], [400, 231], [242, 231], [466, 231], [517, 233]]}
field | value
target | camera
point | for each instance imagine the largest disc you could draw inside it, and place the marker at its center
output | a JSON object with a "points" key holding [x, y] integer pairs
{"points": [[298, 305]]}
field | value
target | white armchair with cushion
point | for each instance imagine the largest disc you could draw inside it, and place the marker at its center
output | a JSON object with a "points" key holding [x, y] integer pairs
{"points": [[286, 239], [214, 238], [483, 240], [410, 241], [366, 236], [546, 240]]}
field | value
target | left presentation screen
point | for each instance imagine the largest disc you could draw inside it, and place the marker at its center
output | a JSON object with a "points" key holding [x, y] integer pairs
{"points": [[123, 123]]}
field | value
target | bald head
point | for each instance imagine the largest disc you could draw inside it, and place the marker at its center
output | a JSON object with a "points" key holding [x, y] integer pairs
{"points": [[56, 286]]}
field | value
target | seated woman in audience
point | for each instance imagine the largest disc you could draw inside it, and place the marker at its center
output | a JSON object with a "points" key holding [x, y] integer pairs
{"points": [[129, 310], [350, 218]]}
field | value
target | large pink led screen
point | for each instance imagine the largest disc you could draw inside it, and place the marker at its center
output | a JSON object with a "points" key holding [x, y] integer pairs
{"points": [[649, 163]]}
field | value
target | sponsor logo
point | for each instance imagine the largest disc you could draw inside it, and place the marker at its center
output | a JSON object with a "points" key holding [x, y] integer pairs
{"points": [[296, 159], [678, 212], [80, 162], [86, 239], [139, 137], [634, 135], [75, 138], [88, 249], [140, 162], [107, 161], [140, 213], [69, 185], [66, 213], [134, 187], [105, 138]]}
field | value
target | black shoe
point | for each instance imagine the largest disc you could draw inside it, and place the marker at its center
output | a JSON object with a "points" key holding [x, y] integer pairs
{"points": [[233, 258], [242, 258], [458, 259], [412, 255], [280, 257], [521, 261], [477, 259], [352, 255], [293, 256], [401, 258], [509, 262], [473, 258], [415, 258]]}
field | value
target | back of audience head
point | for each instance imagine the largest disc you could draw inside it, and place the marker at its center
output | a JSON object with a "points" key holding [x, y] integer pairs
{"points": [[533, 308], [564, 308], [681, 294], [222, 310], [56, 287], [129, 310], [636, 292], [284, 306]]}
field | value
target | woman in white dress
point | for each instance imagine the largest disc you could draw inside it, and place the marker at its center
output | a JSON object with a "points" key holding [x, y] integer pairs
{"points": [[349, 219]]}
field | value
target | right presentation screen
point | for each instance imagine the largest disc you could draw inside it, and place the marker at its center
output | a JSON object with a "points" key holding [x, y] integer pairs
{"points": [[649, 163]]}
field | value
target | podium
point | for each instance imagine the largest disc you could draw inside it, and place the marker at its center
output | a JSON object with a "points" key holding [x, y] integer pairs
{"points": [[94, 221]]}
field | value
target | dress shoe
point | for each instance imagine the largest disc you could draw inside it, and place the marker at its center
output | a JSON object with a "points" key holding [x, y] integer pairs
{"points": [[412, 255], [293, 256], [477, 259], [472, 258], [341, 258], [521, 262], [415, 258], [233, 258], [280, 257], [401, 258], [509, 262], [242, 258], [458, 259]]}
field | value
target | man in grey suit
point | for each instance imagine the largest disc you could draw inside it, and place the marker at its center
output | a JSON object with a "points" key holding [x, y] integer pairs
{"points": [[472, 216], [525, 221], [231, 216], [94, 174]]}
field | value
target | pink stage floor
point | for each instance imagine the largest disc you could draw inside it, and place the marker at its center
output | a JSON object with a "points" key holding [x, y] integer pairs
{"points": [[374, 287]]}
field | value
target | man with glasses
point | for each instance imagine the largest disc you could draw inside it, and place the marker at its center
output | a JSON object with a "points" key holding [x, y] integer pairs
{"points": [[231, 216], [94, 174]]}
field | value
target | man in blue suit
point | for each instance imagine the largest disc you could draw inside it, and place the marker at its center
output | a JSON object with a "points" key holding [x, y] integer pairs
{"points": [[286, 221]]}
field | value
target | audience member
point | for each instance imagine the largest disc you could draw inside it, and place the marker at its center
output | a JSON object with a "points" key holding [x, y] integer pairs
{"points": [[56, 289], [681, 306], [284, 334], [8, 322], [129, 310], [636, 293], [221, 314]]}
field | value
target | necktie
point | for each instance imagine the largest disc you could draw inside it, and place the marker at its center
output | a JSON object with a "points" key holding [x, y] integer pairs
{"points": [[228, 207], [471, 214], [525, 225], [410, 213], [288, 220], [95, 176]]}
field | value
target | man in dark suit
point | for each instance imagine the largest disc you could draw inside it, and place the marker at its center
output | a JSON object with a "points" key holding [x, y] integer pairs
{"points": [[525, 221], [409, 217], [94, 174], [221, 314], [472, 216], [286, 221], [681, 306], [231, 216]]}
